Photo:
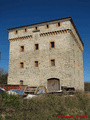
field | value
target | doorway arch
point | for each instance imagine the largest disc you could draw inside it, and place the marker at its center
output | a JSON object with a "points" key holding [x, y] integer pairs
{"points": [[53, 84]]}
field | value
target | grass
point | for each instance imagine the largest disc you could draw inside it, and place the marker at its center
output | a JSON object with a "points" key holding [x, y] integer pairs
{"points": [[44, 107]]}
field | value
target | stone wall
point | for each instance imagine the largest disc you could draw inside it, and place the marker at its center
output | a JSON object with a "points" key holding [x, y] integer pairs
{"points": [[63, 53]]}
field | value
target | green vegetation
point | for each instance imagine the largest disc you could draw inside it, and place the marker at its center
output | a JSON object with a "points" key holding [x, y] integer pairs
{"points": [[44, 107], [3, 76], [87, 86], [3, 79]]}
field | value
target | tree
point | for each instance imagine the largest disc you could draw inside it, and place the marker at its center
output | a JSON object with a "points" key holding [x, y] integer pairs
{"points": [[3, 76]]}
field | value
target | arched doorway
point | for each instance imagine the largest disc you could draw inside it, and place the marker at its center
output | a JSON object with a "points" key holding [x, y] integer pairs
{"points": [[53, 84]]}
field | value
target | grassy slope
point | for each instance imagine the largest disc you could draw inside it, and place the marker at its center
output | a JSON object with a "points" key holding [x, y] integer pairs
{"points": [[44, 107]]}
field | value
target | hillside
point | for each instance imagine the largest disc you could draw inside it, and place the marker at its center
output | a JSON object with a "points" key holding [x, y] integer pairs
{"points": [[45, 107]]}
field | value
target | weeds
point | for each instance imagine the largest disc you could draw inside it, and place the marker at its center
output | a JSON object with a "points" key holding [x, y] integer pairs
{"points": [[44, 107]]}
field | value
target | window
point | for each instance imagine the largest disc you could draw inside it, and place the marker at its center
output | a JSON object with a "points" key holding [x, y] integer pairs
{"points": [[58, 24], [21, 64], [22, 48], [36, 63], [16, 32], [52, 62], [52, 44], [25, 30], [46, 26], [21, 82], [36, 46], [36, 28]]}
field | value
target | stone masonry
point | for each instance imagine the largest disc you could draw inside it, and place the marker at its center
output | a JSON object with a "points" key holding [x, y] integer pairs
{"points": [[67, 54]]}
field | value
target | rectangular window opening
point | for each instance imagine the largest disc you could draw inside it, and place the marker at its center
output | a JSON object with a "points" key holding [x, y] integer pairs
{"points": [[59, 24], [21, 48], [47, 26], [21, 82], [36, 63], [35, 28], [52, 44], [16, 32], [36, 46], [21, 64], [25, 30], [53, 62]]}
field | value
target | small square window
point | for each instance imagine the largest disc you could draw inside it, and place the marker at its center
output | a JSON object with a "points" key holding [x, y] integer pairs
{"points": [[36, 28], [21, 64], [47, 26], [16, 32], [52, 62], [21, 82], [52, 44], [21, 48], [36, 46], [25, 30], [36, 63], [58, 24]]}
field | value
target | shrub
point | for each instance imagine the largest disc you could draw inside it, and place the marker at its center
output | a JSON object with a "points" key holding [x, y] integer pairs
{"points": [[44, 107], [87, 86]]}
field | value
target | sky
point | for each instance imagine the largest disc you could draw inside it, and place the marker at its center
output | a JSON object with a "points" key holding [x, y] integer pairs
{"points": [[25, 12]]}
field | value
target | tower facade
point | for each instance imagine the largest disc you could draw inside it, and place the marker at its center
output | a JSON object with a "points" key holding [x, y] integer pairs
{"points": [[47, 53]]}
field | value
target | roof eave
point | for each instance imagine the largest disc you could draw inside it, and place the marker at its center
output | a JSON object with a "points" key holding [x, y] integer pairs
{"points": [[62, 19]]}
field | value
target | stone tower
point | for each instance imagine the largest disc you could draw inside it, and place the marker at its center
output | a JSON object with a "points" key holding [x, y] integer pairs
{"points": [[47, 53]]}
